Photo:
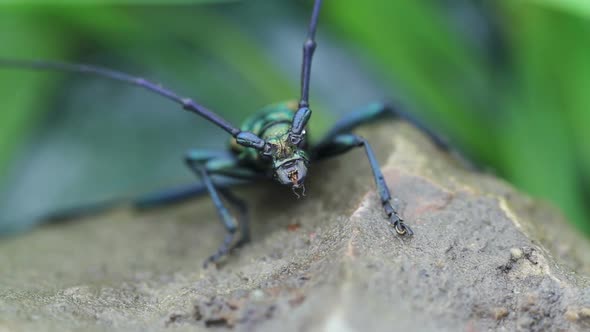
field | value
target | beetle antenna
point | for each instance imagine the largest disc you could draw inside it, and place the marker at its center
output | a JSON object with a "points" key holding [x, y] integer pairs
{"points": [[308, 50], [186, 103]]}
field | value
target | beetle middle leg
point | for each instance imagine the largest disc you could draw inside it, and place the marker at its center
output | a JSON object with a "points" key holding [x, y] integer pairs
{"points": [[205, 164], [376, 111], [170, 196]]}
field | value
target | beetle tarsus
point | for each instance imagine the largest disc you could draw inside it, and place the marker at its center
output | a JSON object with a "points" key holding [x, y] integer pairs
{"points": [[223, 250], [400, 227]]}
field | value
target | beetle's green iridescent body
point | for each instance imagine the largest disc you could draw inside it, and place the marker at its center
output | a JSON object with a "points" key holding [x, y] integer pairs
{"points": [[273, 124]]}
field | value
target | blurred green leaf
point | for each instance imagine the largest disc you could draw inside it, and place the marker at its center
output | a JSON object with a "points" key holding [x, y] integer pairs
{"points": [[417, 46], [548, 121], [575, 7], [23, 35], [109, 2]]}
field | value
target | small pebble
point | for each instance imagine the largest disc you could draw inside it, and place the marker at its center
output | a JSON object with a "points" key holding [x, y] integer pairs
{"points": [[525, 322], [584, 313], [571, 315], [257, 294], [500, 313], [515, 254]]}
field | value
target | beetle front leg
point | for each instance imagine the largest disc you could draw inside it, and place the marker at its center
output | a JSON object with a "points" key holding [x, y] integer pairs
{"points": [[343, 143], [205, 164]]}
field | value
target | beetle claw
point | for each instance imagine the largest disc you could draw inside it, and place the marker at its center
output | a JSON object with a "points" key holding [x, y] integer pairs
{"points": [[399, 226]]}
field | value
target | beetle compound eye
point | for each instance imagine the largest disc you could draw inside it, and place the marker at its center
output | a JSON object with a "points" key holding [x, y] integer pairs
{"points": [[297, 139], [269, 149]]}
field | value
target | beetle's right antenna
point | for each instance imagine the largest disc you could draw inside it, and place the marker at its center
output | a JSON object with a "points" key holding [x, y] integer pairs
{"points": [[308, 49]]}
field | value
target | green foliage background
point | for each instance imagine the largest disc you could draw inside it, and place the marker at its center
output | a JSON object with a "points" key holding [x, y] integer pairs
{"points": [[508, 81]]}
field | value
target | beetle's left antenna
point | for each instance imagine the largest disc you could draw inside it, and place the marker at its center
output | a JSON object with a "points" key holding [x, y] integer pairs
{"points": [[187, 103], [308, 50]]}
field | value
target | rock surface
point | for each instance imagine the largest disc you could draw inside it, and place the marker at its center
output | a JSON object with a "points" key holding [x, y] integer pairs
{"points": [[483, 257]]}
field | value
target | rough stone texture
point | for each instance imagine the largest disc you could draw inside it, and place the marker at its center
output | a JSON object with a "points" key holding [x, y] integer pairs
{"points": [[484, 257]]}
